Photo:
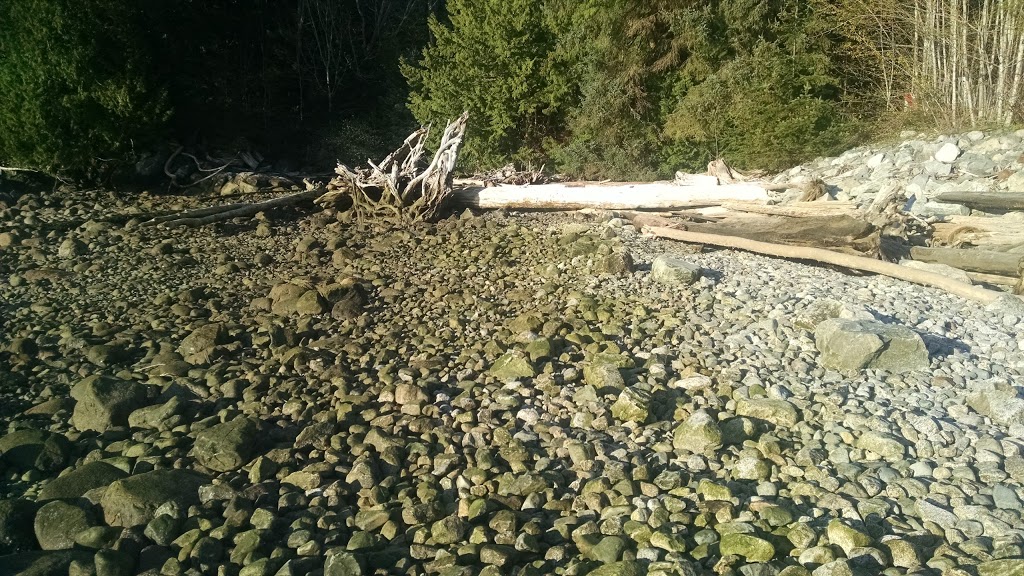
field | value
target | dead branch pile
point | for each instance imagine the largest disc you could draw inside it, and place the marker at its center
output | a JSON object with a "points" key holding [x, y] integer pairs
{"points": [[397, 189]]}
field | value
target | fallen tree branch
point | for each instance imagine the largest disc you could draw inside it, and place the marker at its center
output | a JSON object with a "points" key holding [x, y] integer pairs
{"points": [[209, 215], [836, 259], [167, 164]]}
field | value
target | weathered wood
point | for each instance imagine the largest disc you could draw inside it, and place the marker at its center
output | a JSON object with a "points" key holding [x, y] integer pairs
{"points": [[725, 173], [209, 215], [801, 210], [698, 190], [998, 234], [985, 200], [993, 279], [840, 232], [397, 188], [984, 261], [834, 258]]}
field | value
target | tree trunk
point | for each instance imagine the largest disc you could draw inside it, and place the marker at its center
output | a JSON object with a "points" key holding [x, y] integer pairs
{"points": [[699, 190], [984, 261], [985, 200]]}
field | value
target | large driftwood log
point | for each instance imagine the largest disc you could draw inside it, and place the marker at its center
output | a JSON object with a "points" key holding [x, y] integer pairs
{"points": [[841, 232], [997, 234], [985, 200], [697, 190], [803, 209], [836, 259], [984, 261]]}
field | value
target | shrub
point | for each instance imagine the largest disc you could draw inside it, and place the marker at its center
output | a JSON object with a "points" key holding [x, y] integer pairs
{"points": [[74, 84], [492, 59]]}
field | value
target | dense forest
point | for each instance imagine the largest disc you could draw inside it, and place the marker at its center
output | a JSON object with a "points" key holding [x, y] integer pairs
{"points": [[624, 89]]}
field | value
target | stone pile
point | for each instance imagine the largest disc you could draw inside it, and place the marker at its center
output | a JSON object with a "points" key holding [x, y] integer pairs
{"points": [[508, 394], [922, 167]]}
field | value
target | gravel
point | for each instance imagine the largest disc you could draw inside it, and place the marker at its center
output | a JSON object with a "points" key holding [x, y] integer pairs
{"points": [[505, 394]]}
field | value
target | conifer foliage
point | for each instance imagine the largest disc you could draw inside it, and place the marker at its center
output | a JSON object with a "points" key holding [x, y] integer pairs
{"points": [[491, 59], [75, 84]]}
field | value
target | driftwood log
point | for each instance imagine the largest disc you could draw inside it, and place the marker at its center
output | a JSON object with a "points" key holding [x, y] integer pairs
{"points": [[986, 201], [994, 233], [984, 261], [204, 216], [836, 259], [696, 190], [841, 232], [397, 188]]}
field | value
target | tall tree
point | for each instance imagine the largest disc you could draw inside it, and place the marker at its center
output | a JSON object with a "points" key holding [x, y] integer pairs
{"points": [[492, 59]]}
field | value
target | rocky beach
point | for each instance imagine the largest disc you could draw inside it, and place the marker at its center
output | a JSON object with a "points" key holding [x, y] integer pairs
{"points": [[500, 393]]}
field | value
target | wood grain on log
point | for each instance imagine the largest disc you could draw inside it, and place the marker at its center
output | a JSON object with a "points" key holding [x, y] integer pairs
{"points": [[841, 232], [985, 200], [984, 261]]}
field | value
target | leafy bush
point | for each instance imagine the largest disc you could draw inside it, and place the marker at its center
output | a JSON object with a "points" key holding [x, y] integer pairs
{"points": [[74, 84]]}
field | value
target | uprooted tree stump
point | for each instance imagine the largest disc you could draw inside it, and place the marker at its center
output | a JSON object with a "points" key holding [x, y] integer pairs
{"points": [[397, 189]]}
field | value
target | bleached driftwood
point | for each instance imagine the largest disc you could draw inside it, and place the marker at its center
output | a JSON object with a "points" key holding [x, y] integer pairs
{"points": [[984, 261], [985, 200], [802, 209], [203, 216], [398, 188], [834, 258], [998, 234], [696, 190]]}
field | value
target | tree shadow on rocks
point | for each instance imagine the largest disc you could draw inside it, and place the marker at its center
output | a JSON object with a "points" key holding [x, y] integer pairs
{"points": [[941, 347]]}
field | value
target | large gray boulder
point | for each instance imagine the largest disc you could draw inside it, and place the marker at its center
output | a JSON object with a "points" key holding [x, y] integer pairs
{"points": [[58, 522], [227, 446], [80, 480], [997, 399], [699, 433], [859, 344], [512, 365], [825, 308], [199, 346], [159, 416], [633, 405], [42, 563], [674, 271], [16, 532], [28, 449], [103, 402], [773, 410], [132, 501]]}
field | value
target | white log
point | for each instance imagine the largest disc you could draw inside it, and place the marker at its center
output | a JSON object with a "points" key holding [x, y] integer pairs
{"points": [[609, 196]]}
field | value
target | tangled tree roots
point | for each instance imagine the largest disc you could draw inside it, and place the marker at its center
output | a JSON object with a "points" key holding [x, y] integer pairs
{"points": [[396, 189]]}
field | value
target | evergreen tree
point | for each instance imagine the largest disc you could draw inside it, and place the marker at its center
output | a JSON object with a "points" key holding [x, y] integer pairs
{"points": [[74, 84], [492, 59]]}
